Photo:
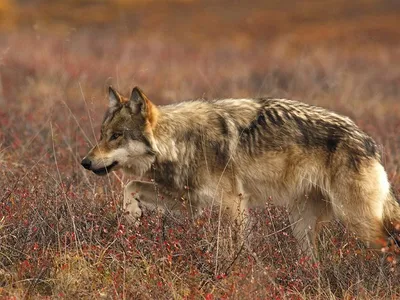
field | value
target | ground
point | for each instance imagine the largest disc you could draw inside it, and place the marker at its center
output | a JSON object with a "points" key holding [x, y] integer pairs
{"points": [[62, 231]]}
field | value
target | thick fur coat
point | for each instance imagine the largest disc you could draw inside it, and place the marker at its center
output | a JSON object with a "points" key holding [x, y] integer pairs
{"points": [[239, 153]]}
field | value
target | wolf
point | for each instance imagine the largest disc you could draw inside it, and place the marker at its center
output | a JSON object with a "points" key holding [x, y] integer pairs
{"points": [[239, 153]]}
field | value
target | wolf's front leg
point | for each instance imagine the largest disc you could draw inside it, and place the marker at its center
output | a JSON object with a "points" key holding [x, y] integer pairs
{"points": [[148, 195], [131, 205], [307, 214], [236, 205]]}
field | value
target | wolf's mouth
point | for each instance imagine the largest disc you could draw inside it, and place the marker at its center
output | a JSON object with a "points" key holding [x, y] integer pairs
{"points": [[105, 170]]}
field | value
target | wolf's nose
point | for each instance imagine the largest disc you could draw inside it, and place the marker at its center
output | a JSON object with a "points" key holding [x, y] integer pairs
{"points": [[86, 163]]}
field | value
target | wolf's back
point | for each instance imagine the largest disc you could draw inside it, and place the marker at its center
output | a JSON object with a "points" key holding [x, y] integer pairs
{"points": [[278, 124]]}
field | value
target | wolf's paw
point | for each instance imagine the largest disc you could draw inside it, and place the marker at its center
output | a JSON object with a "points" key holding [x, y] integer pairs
{"points": [[133, 212]]}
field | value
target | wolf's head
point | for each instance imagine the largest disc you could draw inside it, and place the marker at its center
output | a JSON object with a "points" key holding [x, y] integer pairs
{"points": [[126, 139]]}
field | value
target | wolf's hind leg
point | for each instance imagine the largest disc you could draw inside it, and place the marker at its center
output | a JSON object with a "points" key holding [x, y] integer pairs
{"points": [[359, 201]]}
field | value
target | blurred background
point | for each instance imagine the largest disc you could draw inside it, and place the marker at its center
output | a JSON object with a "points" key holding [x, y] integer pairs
{"points": [[299, 23], [199, 48], [57, 59]]}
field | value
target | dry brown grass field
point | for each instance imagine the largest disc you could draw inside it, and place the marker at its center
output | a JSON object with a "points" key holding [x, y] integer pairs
{"points": [[62, 231]]}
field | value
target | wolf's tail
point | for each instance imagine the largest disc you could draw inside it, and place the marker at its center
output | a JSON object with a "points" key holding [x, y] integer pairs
{"points": [[391, 219]]}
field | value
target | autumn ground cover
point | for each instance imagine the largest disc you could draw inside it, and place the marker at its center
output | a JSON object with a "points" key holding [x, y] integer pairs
{"points": [[62, 231]]}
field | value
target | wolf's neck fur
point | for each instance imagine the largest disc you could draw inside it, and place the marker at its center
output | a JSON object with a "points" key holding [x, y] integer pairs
{"points": [[184, 146], [174, 157]]}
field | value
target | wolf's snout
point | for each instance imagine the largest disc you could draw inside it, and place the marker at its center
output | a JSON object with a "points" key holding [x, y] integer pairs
{"points": [[86, 163]]}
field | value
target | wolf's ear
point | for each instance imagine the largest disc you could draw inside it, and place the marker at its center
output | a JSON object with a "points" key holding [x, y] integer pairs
{"points": [[139, 103], [113, 97], [137, 100]]}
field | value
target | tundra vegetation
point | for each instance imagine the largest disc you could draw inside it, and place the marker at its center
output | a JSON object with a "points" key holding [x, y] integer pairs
{"points": [[62, 229]]}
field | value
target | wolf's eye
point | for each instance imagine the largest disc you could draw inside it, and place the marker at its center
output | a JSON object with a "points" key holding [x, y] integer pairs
{"points": [[115, 135]]}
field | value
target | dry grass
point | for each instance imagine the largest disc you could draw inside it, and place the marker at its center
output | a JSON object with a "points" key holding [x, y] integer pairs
{"points": [[62, 232]]}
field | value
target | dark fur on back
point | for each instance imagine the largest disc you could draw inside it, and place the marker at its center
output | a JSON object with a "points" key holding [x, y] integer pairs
{"points": [[283, 123]]}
